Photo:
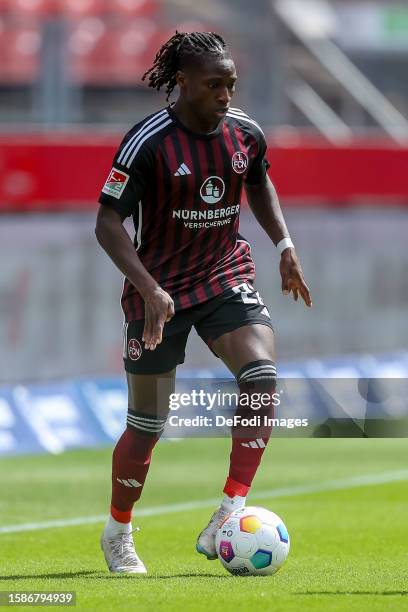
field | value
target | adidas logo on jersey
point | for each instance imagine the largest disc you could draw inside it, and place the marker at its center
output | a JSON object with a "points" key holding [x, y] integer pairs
{"points": [[182, 170]]}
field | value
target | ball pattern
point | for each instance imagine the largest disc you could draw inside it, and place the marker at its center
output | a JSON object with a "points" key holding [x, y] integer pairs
{"points": [[252, 541]]}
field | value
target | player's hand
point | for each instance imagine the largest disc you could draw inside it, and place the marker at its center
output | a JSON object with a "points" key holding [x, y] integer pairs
{"points": [[292, 277], [159, 309]]}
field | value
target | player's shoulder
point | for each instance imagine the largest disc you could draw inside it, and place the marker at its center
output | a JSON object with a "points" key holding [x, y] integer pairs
{"points": [[143, 137], [239, 117]]}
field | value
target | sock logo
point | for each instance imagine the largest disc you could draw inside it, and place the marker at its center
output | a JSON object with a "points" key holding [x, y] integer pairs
{"points": [[258, 443], [134, 349], [129, 482]]}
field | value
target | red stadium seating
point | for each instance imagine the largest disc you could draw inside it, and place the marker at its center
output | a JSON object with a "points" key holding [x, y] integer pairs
{"points": [[140, 8], [20, 45], [89, 51], [110, 42], [135, 47], [26, 8], [80, 8], [109, 53]]}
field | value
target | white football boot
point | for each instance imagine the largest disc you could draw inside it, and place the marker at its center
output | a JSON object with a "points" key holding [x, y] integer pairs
{"points": [[120, 554], [206, 540]]}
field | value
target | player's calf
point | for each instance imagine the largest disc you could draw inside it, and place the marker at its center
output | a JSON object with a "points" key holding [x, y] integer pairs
{"points": [[130, 464], [131, 460], [249, 439], [250, 436]]}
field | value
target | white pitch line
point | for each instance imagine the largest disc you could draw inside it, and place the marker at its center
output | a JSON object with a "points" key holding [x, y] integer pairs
{"points": [[364, 480]]}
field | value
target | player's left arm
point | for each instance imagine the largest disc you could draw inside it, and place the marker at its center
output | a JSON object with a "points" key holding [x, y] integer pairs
{"points": [[264, 203]]}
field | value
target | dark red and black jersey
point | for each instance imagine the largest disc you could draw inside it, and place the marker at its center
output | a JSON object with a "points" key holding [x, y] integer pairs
{"points": [[183, 191]]}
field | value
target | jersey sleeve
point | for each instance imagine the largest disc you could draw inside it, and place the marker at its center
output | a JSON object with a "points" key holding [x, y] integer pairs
{"points": [[257, 170], [127, 183]]}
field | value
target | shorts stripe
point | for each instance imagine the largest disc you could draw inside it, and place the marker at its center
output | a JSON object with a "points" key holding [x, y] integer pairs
{"points": [[125, 329]]}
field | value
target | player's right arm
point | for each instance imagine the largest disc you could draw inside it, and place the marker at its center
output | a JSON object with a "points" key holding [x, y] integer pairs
{"points": [[124, 188], [115, 240]]}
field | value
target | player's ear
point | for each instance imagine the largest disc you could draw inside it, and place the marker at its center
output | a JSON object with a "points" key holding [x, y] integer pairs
{"points": [[181, 79]]}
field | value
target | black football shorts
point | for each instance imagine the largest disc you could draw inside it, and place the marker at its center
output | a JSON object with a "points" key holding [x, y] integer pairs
{"points": [[224, 313]]}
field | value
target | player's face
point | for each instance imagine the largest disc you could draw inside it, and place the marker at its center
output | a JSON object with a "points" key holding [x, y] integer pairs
{"points": [[208, 88]]}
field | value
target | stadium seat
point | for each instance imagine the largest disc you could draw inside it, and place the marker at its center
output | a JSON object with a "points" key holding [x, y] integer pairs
{"points": [[80, 8], [134, 50], [112, 52], [142, 8], [24, 8], [89, 54], [20, 46], [77, 8], [4, 7]]}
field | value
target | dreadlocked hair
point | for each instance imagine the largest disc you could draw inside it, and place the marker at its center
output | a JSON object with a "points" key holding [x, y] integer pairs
{"points": [[172, 55]]}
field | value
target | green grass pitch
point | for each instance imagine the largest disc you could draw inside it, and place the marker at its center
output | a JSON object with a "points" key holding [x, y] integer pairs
{"points": [[349, 545]]}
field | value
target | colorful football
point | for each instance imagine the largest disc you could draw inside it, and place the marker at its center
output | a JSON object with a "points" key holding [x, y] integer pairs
{"points": [[252, 541]]}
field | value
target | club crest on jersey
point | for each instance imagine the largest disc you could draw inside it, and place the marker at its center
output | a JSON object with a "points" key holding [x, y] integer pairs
{"points": [[212, 189], [115, 183], [134, 349], [239, 162]]}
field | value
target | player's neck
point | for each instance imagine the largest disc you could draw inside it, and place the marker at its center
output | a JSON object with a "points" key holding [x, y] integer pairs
{"points": [[189, 119]]}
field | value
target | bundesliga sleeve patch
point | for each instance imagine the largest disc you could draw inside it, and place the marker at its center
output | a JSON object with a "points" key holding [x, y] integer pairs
{"points": [[115, 183]]}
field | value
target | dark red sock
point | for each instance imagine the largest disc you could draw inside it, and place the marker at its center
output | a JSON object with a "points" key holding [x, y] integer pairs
{"points": [[249, 441], [130, 464]]}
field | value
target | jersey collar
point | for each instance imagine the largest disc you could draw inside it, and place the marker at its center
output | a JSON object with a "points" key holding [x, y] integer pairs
{"points": [[198, 135]]}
